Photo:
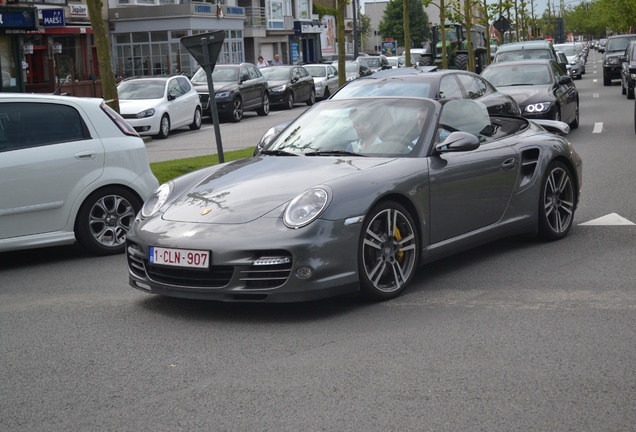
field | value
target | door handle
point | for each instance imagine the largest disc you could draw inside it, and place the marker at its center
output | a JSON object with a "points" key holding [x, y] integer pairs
{"points": [[86, 154], [508, 164]]}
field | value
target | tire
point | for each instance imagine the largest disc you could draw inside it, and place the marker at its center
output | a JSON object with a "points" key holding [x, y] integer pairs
{"points": [[575, 122], [556, 203], [264, 110], [388, 252], [312, 98], [557, 113], [236, 115], [105, 218], [198, 119], [426, 61], [326, 94], [164, 127], [289, 101], [461, 61], [630, 93]]}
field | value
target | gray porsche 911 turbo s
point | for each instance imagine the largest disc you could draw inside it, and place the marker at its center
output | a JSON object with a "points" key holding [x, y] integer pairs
{"points": [[352, 197]]}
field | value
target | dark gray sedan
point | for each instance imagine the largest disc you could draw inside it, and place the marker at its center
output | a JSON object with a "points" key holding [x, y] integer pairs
{"points": [[352, 197], [289, 84]]}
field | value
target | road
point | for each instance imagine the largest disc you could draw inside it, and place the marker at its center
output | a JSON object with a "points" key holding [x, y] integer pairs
{"points": [[518, 335]]}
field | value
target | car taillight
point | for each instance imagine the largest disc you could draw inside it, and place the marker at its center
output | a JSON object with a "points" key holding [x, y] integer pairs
{"points": [[118, 120]]}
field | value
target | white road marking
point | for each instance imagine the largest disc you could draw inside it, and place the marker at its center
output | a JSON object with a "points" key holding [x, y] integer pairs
{"points": [[598, 127], [595, 95], [595, 80], [610, 219]]}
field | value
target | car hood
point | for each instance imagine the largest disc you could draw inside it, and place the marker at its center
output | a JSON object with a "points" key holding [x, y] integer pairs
{"points": [[133, 106], [526, 94], [247, 189], [273, 84]]}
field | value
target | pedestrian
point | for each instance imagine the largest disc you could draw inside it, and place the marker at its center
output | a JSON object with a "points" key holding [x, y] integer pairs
{"points": [[261, 62], [276, 61]]}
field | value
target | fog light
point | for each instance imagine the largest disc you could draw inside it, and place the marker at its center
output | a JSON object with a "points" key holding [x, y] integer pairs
{"points": [[303, 273], [271, 261]]}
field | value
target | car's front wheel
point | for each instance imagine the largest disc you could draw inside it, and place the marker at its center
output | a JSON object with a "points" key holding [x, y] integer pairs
{"points": [[197, 120], [312, 97], [237, 110], [105, 218], [264, 109], [388, 251], [164, 127], [289, 100], [557, 202]]}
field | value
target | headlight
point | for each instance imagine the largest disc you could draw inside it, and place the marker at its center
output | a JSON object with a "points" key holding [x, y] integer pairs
{"points": [[147, 113], [157, 199], [306, 207], [222, 95], [538, 107], [279, 88], [612, 60], [319, 85]]}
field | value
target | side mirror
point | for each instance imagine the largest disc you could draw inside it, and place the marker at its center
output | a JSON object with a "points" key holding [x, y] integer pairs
{"points": [[565, 79], [457, 142], [172, 95]]}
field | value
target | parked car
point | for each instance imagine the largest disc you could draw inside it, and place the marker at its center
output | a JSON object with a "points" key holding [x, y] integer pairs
{"points": [[429, 82], [308, 219], [575, 59], [355, 69], [376, 62], [325, 78], [330, 58], [289, 84], [564, 59], [237, 88], [395, 62], [540, 87], [601, 45], [528, 50], [615, 56], [158, 105], [71, 169], [628, 70]]}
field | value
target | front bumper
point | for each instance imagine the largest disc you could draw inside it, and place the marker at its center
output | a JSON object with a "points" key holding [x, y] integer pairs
{"points": [[276, 98], [328, 249], [145, 126], [612, 71]]}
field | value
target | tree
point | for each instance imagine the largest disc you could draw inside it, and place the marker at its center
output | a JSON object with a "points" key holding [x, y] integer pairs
{"points": [[340, 35], [106, 72], [393, 22]]}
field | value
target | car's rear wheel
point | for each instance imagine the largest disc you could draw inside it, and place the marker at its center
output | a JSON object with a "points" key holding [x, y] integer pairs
{"points": [[312, 97], [197, 120], [289, 100], [164, 127], [557, 202], [461, 61], [105, 218], [264, 109], [388, 251], [237, 110]]}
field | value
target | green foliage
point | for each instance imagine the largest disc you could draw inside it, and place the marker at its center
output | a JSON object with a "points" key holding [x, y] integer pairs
{"points": [[323, 10], [392, 24], [168, 170]]}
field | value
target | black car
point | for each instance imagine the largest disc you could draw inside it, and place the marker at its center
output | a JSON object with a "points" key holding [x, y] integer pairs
{"points": [[614, 56], [628, 70], [540, 87], [429, 82], [290, 84], [237, 87], [376, 62]]}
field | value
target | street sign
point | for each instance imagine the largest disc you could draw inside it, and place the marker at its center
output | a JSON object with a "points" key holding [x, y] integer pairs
{"points": [[502, 24], [205, 48]]}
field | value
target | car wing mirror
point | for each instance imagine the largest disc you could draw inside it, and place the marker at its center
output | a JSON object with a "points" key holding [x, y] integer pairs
{"points": [[457, 142], [565, 80], [172, 95]]}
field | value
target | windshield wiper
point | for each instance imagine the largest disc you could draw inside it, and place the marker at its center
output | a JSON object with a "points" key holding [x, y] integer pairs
{"points": [[277, 153], [333, 153]]}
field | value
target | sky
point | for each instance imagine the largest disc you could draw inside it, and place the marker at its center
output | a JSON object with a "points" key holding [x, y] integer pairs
{"points": [[540, 5]]}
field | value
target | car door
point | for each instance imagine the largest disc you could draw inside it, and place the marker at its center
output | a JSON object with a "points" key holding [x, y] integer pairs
{"points": [[332, 78], [178, 105], [470, 190], [191, 99], [43, 169], [256, 89], [307, 80], [565, 92], [247, 86]]}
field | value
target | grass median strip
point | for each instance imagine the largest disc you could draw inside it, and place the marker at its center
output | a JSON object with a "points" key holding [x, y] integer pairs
{"points": [[168, 170]]}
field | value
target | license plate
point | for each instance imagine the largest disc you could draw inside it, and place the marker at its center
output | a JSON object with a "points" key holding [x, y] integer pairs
{"points": [[179, 257]]}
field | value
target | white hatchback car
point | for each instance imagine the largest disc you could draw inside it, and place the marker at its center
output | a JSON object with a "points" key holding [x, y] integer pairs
{"points": [[70, 169], [157, 105], [325, 79]]}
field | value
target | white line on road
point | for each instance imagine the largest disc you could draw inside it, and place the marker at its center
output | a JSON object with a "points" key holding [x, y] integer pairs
{"points": [[595, 80], [598, 127], [595, 95]]}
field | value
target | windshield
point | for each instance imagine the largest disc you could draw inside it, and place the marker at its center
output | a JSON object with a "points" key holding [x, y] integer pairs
{"points": [[317, 71], [372, 62], [220, 74], [387, 126], [523, 54], [618, 44], [275, 74], [141, 89], [517, 75], [568, 50], [386, 87]]}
